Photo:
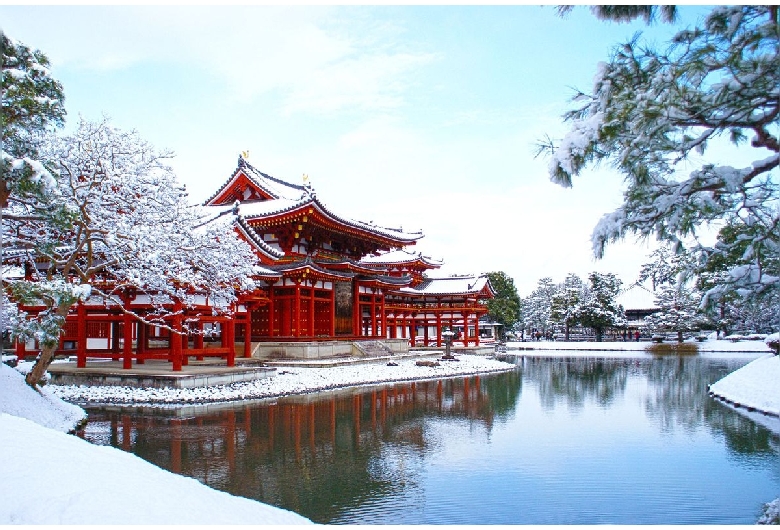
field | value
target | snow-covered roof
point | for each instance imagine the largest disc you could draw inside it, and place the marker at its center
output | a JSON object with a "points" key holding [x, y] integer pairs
{"points": [[229, 216], [286, 197], [272, 186], [452, 285], [400, 256], [637, 296], [12, 272]]}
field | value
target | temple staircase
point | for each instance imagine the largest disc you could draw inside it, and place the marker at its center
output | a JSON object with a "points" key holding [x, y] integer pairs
{"points": [[371, 348]]}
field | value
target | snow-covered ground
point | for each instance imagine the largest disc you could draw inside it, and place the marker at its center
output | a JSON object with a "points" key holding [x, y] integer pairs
{"points": [[108, 486], [755, 385], [49, 477], [720, 346]]}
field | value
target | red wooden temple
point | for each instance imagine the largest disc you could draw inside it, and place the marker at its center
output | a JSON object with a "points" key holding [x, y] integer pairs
{"points": [[328, 286]]}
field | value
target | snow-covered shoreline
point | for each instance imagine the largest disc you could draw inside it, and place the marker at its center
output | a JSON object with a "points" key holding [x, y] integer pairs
{"points": [[286, 382], [302, 380], [754, 386]]}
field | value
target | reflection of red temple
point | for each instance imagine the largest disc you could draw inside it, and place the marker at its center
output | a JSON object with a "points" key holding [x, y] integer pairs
{"points": [[327, 286]]}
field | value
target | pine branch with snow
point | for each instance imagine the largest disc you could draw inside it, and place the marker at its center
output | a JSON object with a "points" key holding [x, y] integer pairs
{"points": [[652, 113]]}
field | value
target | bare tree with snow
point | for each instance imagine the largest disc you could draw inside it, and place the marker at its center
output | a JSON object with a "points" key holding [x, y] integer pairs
{"points": [[126, 225]]}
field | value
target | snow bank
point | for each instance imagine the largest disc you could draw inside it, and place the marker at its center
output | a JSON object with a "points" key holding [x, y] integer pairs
{"points": [[18, 399], [705, 346], [62, 479], [66, 480], [755, 385]]}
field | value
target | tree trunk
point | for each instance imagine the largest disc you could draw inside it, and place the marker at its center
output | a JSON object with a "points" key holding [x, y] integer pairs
{"points": [[679, 335], [46, 357]]}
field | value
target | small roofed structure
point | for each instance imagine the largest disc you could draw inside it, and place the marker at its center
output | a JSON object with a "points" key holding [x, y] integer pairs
{"points": [[436, 304], [638, 302]]}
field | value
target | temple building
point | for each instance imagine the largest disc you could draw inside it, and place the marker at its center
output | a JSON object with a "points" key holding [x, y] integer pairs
{"points": [[327, 286]]}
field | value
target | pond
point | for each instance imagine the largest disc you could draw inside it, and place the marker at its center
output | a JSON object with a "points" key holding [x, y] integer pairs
{"points": [[556, 441]]}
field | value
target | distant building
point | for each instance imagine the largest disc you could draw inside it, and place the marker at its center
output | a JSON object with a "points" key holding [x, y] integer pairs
{"points": [[638, 302]]}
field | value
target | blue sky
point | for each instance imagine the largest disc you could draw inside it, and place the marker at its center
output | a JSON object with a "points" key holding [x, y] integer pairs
{"points": [[412, 116]]}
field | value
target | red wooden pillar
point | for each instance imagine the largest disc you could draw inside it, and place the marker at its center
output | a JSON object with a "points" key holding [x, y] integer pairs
{"points": [[383, 315], [21, 349], [248, 334], [465, 329], [198, 340], [297, 311], [271, 309], [81, 344], [115, 336], [373, 315], [333, 310], [175, 340], [229, 335], [357, 312], [141, 331], [311, 310], [438, 330], [476, 329], [127, 345]]}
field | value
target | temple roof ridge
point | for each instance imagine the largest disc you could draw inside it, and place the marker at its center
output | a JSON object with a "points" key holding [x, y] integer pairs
{"points": [[457, 284], [400, 255]]}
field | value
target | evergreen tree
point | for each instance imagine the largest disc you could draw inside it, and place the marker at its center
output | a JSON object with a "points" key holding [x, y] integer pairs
{"points": [[678, 304], [565, 304], [728, 306], [505, 307], [654, 113], [32, 104], [599, 309], [536, 308], [678, 310]]}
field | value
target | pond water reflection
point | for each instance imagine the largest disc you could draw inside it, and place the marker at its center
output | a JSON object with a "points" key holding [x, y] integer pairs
{"points": [[556, 441]]}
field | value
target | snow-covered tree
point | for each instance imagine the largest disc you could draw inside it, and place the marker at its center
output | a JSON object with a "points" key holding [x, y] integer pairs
{"points": [[128, 225], [653, 114], [599, 309], [677, 298], [566, 301], [536, 307], [32, 104], [735, 307], [678, 310]]}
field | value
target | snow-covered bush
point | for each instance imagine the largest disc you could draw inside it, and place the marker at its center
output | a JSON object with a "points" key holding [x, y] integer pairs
{"points": [[771, 513], [773, 341]]}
